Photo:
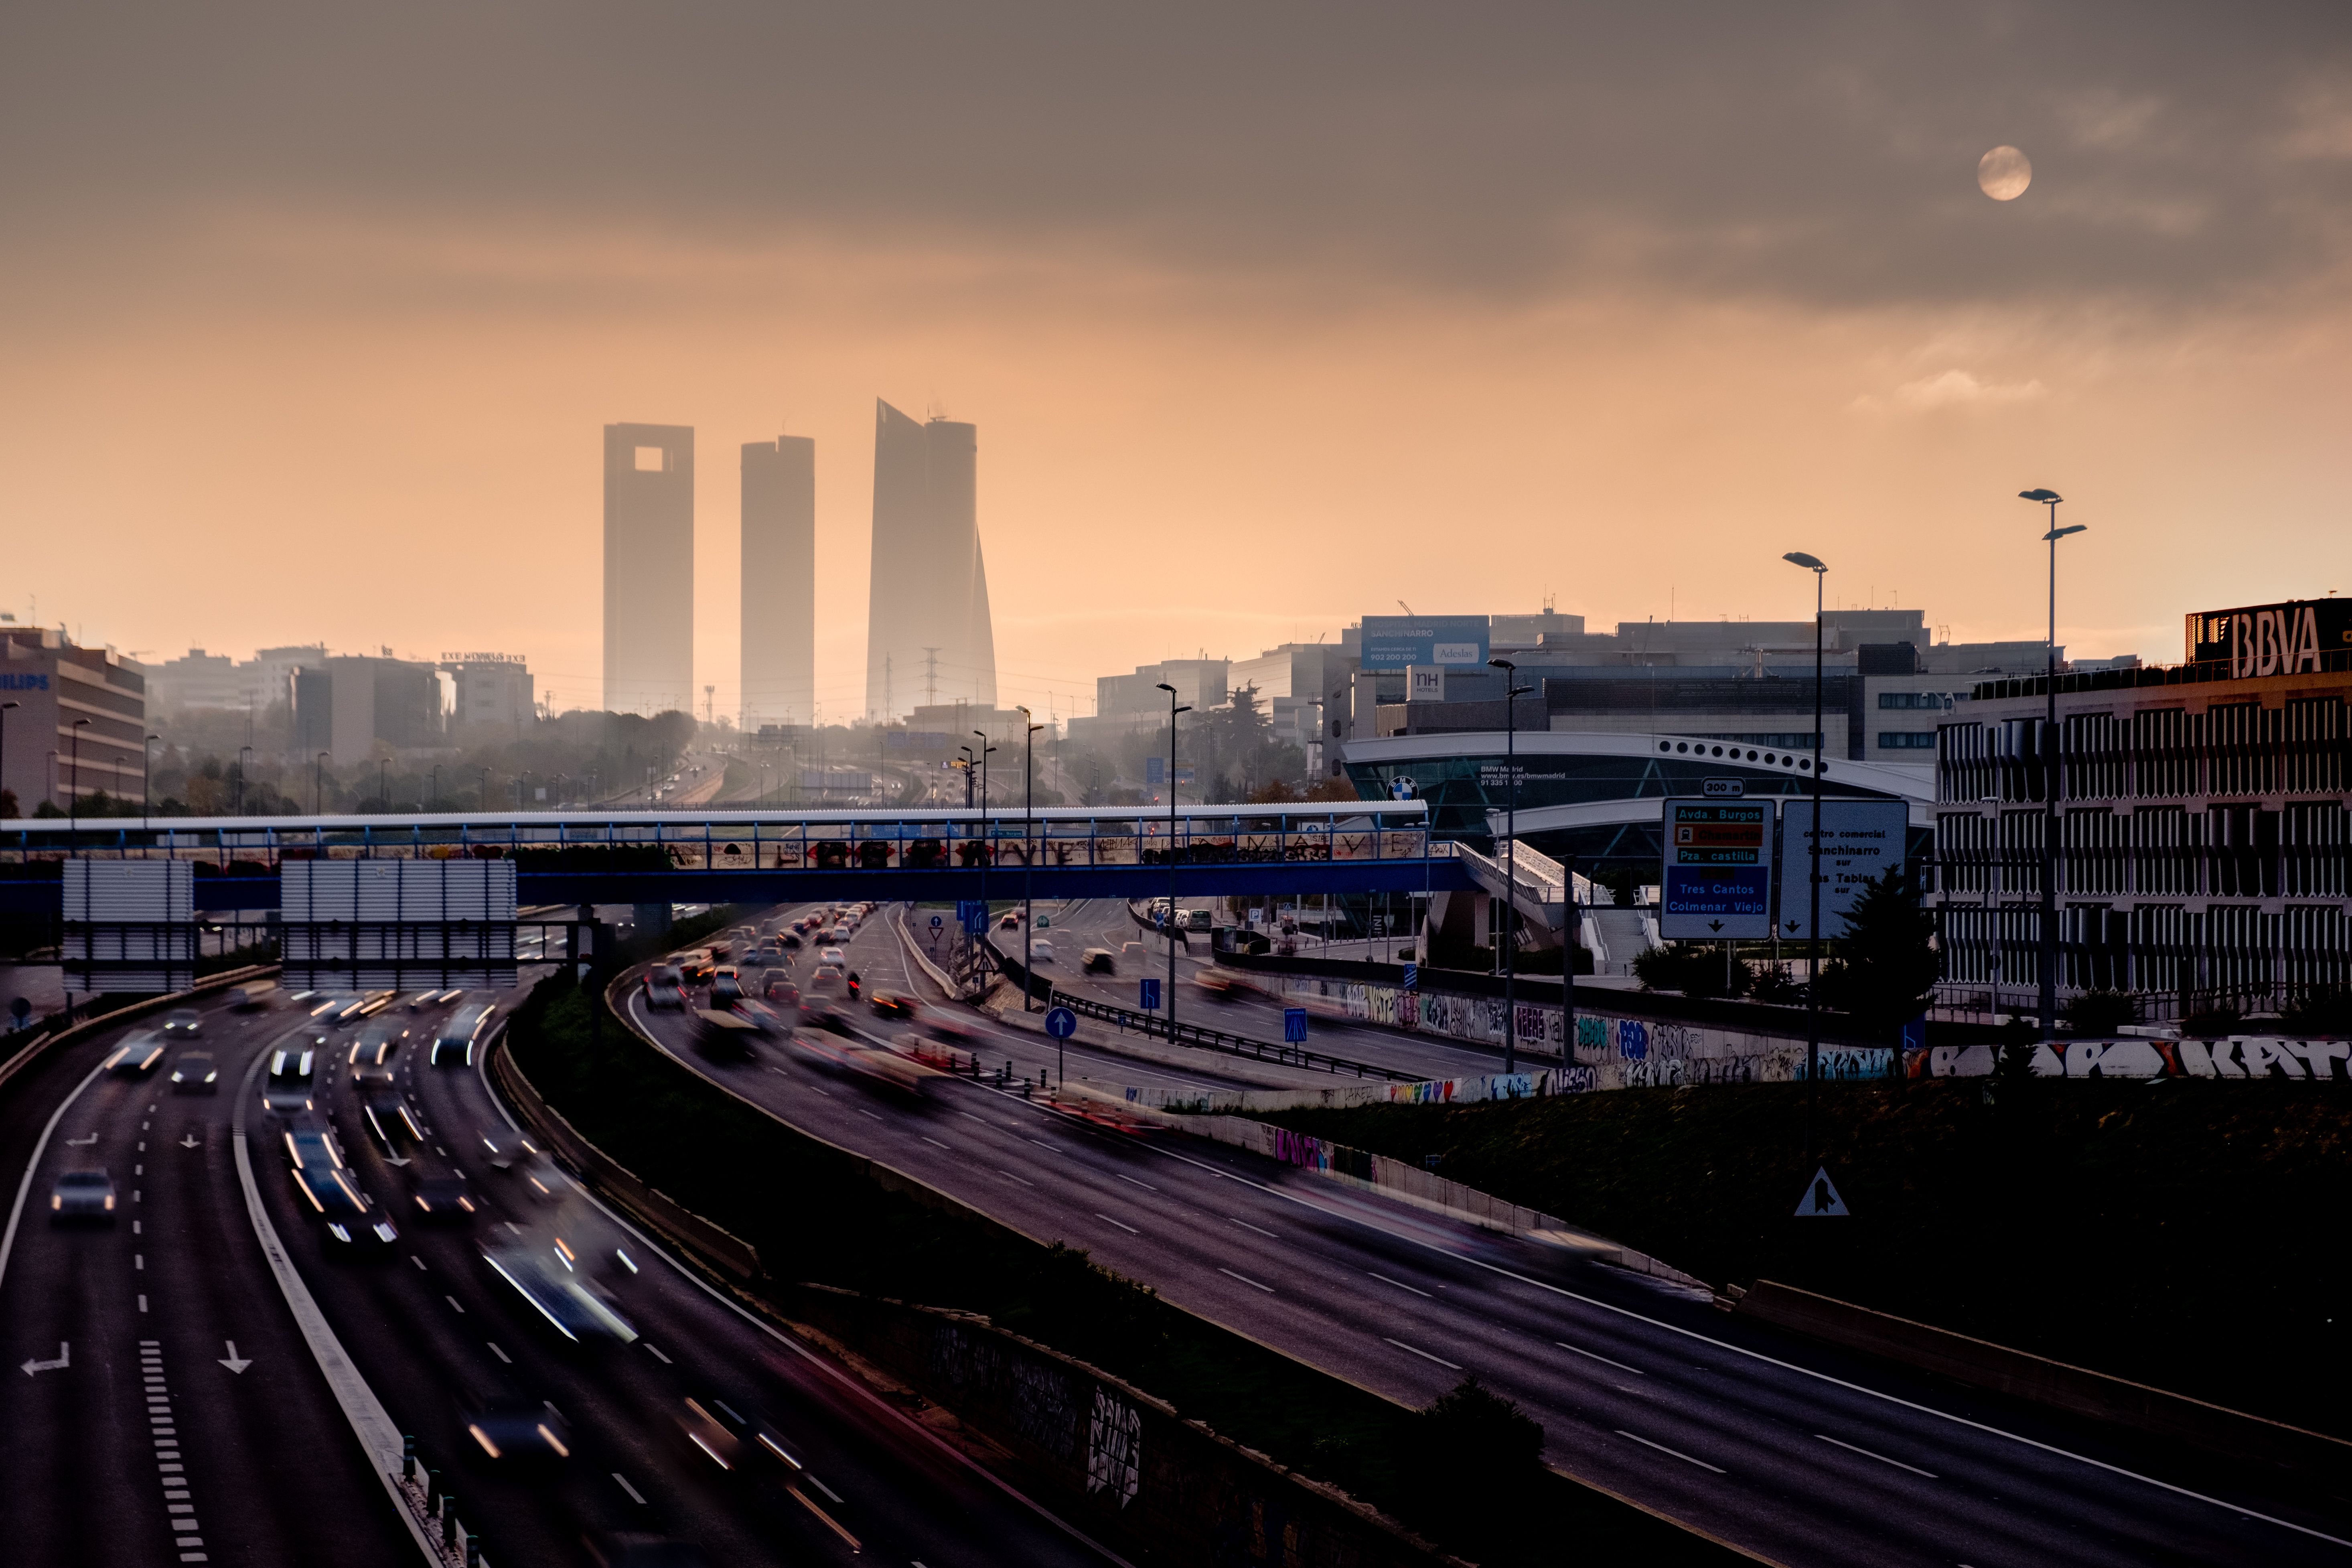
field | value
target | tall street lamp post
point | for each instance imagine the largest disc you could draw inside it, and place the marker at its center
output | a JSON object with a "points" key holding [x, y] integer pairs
{"points": [[2050, 773], [1168, 930], [318, 778], [1512, 692], [245, 770], [147, 781], [73, 791], [1028, 853], [4, 749], [987, 840], [1813, 882]]}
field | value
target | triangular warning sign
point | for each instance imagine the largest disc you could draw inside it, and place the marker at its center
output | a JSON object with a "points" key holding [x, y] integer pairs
{"points": [[1822, 1197]]}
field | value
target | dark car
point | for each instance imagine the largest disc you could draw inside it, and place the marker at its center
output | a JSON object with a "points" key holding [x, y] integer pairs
{"points": [[293, 1076], [83, 1195], [184, 1021], [896, 1004], [333, 1190], [379, 1042], [733, 1435], [665, 986], [389, 1118], [520, 1430], [194, 1072], [726, 987], [782, 992], [790, 942], [136, 1055], [1098, 961], [445, 1199]]}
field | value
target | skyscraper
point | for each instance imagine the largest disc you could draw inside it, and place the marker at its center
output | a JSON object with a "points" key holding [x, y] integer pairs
{"points": [[648, 568], [928, 638], [779, 582]]}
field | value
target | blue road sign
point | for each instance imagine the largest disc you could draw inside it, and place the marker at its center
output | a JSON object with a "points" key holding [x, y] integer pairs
{"points": [[1412, 975], [1717, 881], [937, 922], [972, 915], [1294, 1025], [1060, 1022], [1150, 995]]}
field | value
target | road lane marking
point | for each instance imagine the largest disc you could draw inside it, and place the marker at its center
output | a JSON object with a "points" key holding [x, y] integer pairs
{"points": [[1247, 1280], [416, 1261], [634, 1495], [656, 1353], [1131, 1182], [1678, 1453], [1881, 1458], [139, 1261], [934, 1142], [134, 1227], [1121, 1224], [1010, 1177], [1401, 1285], [982, 1119], [142, 1303], [1424, 1354], [1604, 1359], [453, 1302], [826, 1092], [863, 1112], [497, 1352], [825, 1490], [1246, 1226]]}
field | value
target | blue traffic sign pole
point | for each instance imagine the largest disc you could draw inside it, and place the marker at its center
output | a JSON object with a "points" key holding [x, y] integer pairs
{"points": [[1060, 1022], [1294, 1025]]}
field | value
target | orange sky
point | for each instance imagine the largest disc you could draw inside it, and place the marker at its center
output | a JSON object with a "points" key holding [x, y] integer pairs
{"points": [[282, 413]]}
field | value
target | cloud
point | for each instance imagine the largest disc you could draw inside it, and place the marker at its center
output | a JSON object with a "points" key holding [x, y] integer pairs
{"points": [[1950, 389]]}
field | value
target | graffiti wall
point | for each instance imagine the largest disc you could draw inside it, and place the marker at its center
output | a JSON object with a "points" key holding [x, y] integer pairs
{"points": [[2239, 1057]]}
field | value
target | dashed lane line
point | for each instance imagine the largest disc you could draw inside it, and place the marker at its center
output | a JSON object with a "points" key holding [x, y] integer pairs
{"points": [[1120, 1223], [1675, 1453], [1246, 1226], [634, 1495], [1424, 1354], [1401, 1285], [1247, 1280], [1867, 1454], [1604, 1361]]}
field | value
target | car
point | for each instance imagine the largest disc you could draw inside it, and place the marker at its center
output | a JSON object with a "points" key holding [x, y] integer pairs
{"points": [[760, 1016], [194, 1072], [389, 1118], [896, 1004], [665, 986], [1041, 952], [333, 1189], [445, 1199], [252, 995], [136, 1055], [696, 966], [184, 1021], [726, 987], [732, 1434], [292, 1075], [1012, 921], [726, 1035], [378, 1043], [790, 942], [1098, 961], [546, 1274], [455, 1044], [831, 958], [517, 1429], [82, 1195], [783, 992]]}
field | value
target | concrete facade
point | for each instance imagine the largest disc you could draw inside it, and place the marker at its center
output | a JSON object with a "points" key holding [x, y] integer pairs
{"points": [[929, 639], [649, 568], [46, 754], [779, 582]]}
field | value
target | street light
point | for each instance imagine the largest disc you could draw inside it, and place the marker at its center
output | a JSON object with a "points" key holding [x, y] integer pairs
{"points": [[436, 787], [1511, 694], [4, 749], [1168, 930], [243, 768], [146, 780], [967, 775], [1813, 883], [987, 840], [73, 791], [1029, 859], [384, 783], [318, 769], [2049, 777]]}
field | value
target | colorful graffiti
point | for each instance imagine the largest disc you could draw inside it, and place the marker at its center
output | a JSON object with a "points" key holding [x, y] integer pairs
{"points": [[2141, 1057]]}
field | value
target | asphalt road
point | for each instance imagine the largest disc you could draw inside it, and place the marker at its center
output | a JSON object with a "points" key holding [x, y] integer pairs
{"points": [[145, 1448], [1794, 1451]]}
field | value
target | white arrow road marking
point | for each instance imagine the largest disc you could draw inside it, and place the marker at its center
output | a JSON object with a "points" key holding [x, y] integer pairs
{"points": [[233, 1360], [65, 1358], [190, 1142], [81, 1142], [395, 1160]]}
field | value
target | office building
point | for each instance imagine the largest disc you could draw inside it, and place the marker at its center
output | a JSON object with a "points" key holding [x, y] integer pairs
{"points": [[2204, 851], [778, 646], [201, 682], [491, 695], [345, 705], [648, 568], [75, 723], [928, 638]]}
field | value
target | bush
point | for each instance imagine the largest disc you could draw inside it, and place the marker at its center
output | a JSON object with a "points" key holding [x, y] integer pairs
{"points": [[2097, 1013], [1695, 969], [2211, 1023], [1465, 1449], [2319, 1012]]}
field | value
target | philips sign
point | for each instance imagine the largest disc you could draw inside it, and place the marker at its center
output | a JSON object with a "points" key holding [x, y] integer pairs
{"points": [[1400, 642], [38, 681]]}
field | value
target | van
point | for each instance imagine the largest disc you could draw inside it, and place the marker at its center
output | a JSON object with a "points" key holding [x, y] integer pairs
{"points": [[252, 995], [454, 1045]]}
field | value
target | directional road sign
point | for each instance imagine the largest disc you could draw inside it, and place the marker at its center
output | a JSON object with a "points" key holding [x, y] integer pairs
{"points": [[1060, 1022], [1294, 1025], [1716, 880], [1150, 995], [1822, 1199], [972, 915], [937, 922], [1412, 975], [1860, 839]]}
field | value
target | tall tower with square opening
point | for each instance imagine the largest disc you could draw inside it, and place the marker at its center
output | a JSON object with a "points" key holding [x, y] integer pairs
{"points": [[779, 582], [927, 606], [648, 568]]}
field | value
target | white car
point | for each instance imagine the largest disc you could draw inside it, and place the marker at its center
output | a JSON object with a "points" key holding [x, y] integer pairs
{"points": [[1041, 952], [831, 958]]}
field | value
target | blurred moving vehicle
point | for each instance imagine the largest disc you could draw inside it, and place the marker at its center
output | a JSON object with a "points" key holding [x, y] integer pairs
{"points": [[253, 994], [389, 1118], [831, 958], [138, 1054], [184, 1021], [546, 1274], [455, 1044], [665, 986], [896, 1004], [763, 1018], [194, 1073], [1041, 952], [445, 1199], [726, 985], [292, 1075], [783, 992], [695, 965], [726, 1035], [520, 1429], [82, 1195], [378, 1043], [1098, 961], [320, 1175]]}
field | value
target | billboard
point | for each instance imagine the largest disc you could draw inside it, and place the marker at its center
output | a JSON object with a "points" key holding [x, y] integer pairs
{"points": [[1860, 839], [2271, 639], [1716, 880], [1400, 642]]}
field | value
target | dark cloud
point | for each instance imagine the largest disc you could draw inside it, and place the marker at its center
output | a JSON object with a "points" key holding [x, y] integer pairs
{"points": [[1822, 154]]}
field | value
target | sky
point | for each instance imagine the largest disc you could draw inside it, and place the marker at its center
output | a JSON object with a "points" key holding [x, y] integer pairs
{"points": [[1269, 317]]}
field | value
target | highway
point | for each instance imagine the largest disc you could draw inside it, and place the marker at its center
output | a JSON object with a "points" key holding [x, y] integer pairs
{"points": [[145, 1447], [1798, 1453]]}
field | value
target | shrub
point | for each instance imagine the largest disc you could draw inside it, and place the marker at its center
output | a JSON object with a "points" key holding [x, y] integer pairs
{"points": [[2211, 1023], [2095, 1013], [2326, 1012], [1695, 969]]}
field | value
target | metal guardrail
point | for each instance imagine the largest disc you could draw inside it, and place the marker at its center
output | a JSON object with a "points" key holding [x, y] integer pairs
{"points": [[1221, 1040]]}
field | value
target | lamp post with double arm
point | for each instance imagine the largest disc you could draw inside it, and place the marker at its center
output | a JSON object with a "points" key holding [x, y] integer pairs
{"points": [[1512, 692], [2050, 773], [1813, 882], [1028, 850], [1168, 930]]}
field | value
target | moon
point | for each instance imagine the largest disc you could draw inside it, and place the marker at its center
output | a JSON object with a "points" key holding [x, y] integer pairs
{"points": [[2004, 173]]}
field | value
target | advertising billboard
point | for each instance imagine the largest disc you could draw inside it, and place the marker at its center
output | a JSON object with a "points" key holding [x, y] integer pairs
{"points": [[1860, 839], [2271, 639], [1400, 642], [1717, 879]]}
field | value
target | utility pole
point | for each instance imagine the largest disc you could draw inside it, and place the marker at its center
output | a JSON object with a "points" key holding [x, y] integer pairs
{"points": [[1512, 692], [1028, 852], [2050, 774], [1167, 927], [930, 677]]}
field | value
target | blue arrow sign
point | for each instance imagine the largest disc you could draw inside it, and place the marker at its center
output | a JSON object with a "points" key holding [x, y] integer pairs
{"points": [[1150, 995], [972, 915], [937, 922], [1412, 975], [1060, 1022], [1294, 1025]]}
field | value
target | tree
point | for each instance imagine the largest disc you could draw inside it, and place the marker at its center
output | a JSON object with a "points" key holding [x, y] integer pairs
{"points": [[1885, 965]]}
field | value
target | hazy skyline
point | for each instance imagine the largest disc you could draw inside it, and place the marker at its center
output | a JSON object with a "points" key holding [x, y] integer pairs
{"points": [[1268, 319]]}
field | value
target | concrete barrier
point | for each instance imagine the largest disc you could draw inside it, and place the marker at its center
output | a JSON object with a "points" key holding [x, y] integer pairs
{"points": [[1123, 1462], [209, 985], [2037, 1380]]}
